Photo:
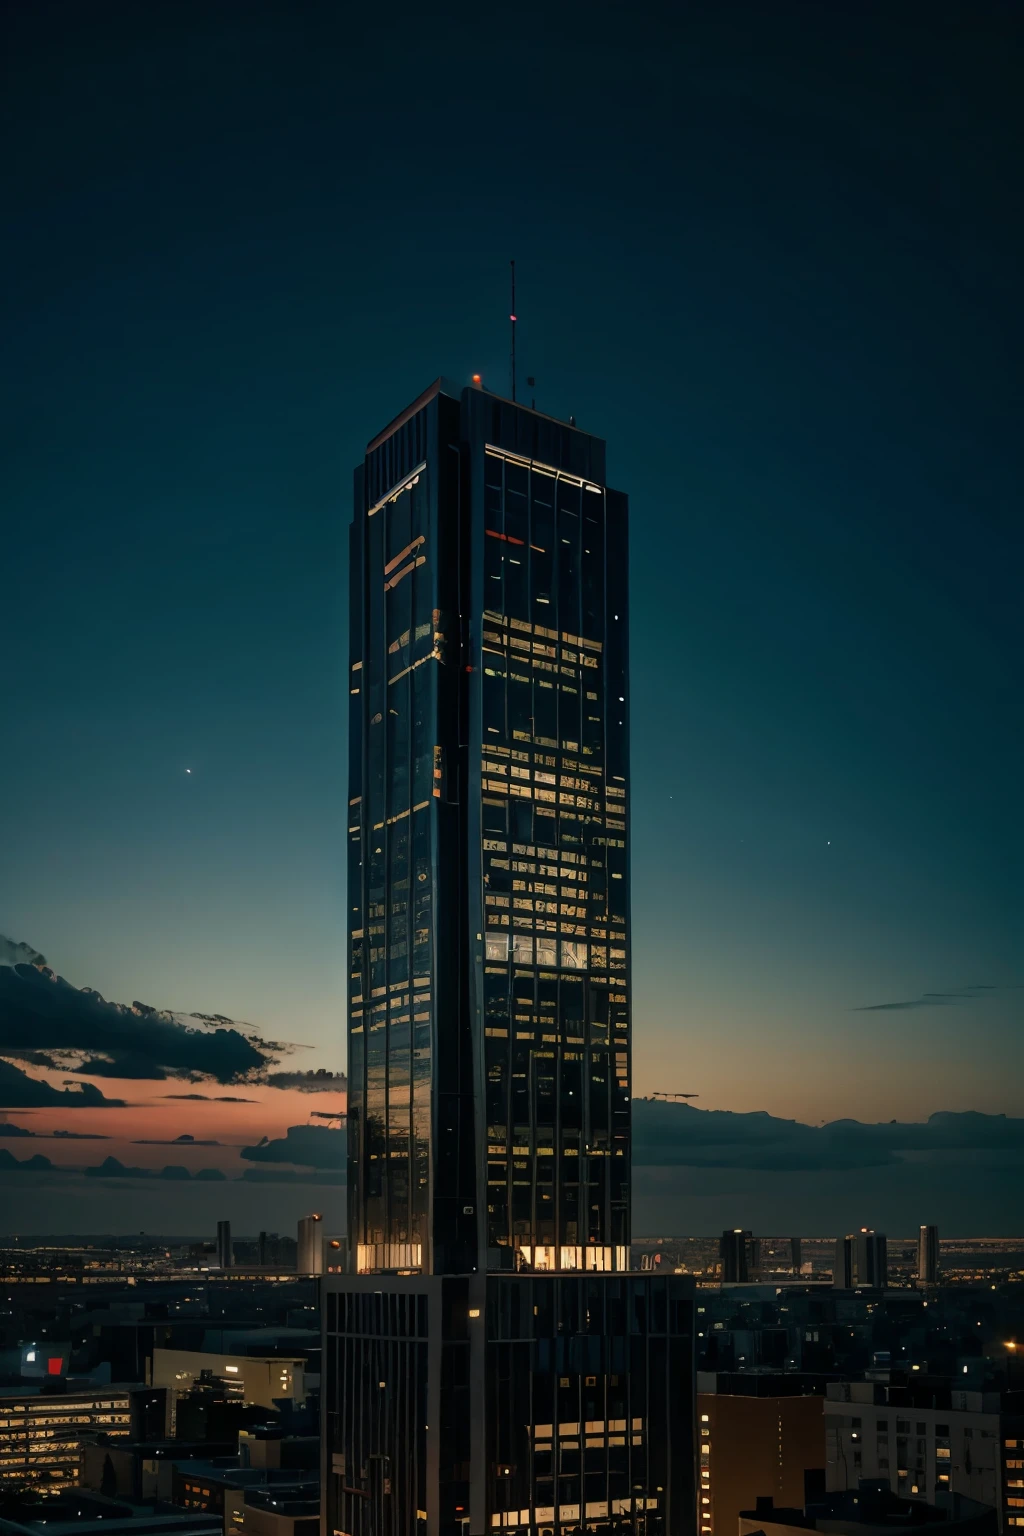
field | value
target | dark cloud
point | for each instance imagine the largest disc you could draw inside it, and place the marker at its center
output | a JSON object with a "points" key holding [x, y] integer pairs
{"points": [[320, 1081], [17, 1130], [126, 1066], [176, 1141], [13, 953], [678, 1135], [19, 1091], [113, 1168], [308, 1146], [210, 1098], [289, 1176], [11, 1164], [41, 1012], [38, 1059], [972, 994], [328, 1114]]}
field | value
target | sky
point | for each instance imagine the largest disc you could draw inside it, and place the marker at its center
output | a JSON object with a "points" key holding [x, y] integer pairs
{"points": [[772, 255]]}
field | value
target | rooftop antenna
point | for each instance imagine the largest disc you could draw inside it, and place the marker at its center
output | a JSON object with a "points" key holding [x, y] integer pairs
{"points": [[512, 317]]}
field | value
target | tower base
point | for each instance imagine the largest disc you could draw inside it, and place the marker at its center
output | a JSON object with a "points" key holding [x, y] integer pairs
{"points": [[533, 1404]]}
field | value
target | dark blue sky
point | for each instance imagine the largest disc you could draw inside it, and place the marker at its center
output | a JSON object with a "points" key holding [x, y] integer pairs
{"points": [[771, 252]]}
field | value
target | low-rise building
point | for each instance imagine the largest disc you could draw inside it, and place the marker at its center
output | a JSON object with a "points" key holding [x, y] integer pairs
{"points": [[41, 1433], [262, 1379], [273, 1512], [755, 1434], [870, 1510], [928, 1438]]}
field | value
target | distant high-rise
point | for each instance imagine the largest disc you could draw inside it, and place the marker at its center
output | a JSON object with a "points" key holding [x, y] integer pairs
{"points": [[309, 1258], [861, 1260], [225, 1257], [928, 1255], [734, 1252], [795, 1255], [490, 1363]]}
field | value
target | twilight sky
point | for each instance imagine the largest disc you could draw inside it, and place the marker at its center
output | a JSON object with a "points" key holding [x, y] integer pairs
{"points": [[771, 253]]}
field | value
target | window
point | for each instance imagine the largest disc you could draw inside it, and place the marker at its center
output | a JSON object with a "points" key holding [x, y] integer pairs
{"points": [[574, 955], [497, 946]]}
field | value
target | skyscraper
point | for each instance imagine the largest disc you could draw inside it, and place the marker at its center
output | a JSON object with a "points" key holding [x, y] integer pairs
{"points": [[225, 1252], [733, 1251], [928, 1255], [309, 1249], [489, 1362], [861, 1260]]}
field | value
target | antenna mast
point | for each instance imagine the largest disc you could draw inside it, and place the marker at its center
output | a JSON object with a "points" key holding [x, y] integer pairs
{"points": [[512, 318]]}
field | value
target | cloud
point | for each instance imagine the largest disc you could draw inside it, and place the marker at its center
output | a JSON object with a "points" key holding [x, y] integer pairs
{"points": [[37, 1059], [308, 1146], [12, 1164], [13, 953], [176, 1141], [973, 994], [41, 1012], [113, 1168], [680, 1135], [210, 1098], [19, 1091], [126, 1066], [320, 1081], [17, 1130], [289, 1176]]}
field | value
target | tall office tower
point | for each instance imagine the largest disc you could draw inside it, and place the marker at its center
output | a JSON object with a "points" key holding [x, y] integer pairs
{"points": [[489, 1362], [928, 1255], [309, 1250], [861, 1260], [734, 1251], [225, 1257], [795, 1255]]}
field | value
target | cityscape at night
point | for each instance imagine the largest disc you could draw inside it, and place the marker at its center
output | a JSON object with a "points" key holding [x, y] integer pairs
{"points": [[510, 915]]}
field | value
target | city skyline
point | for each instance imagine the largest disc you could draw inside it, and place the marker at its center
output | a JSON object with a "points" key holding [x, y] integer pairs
{"points": [[788, 301]]}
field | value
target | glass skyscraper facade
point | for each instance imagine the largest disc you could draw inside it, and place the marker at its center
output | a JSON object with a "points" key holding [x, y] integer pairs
{"points": [[489, 1006]]}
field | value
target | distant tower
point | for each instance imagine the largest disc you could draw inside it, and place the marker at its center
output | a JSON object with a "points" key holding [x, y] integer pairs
{"points": [[928, 1256], [262, 1250], [862, 1260], [310, 1255], [795, 1255], [733, 1250], [224, 1250]]}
